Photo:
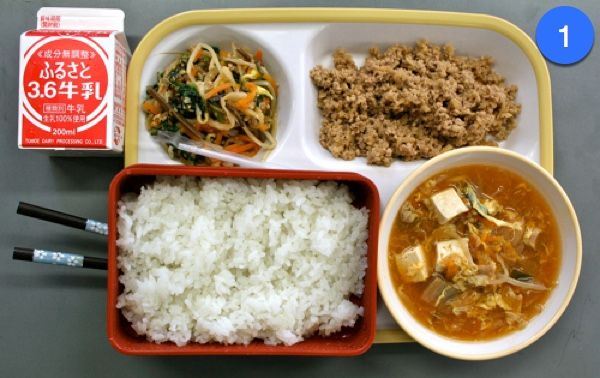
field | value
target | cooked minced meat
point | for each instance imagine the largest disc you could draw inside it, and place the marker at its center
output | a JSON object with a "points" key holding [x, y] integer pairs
{"points": [[411, 103]]}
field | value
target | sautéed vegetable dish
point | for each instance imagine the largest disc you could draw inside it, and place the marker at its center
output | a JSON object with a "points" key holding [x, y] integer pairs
{"points": [[474, 252], [223, 99]]}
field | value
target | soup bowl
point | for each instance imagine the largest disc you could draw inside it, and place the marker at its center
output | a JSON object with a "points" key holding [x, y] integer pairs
{"points": [[570, 249]]}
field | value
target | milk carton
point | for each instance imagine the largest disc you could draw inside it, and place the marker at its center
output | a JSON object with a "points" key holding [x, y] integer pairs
{"points": [[72, 81]]}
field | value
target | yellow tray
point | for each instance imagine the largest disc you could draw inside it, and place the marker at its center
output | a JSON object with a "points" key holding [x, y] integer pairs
{"points": [[312, 34]]}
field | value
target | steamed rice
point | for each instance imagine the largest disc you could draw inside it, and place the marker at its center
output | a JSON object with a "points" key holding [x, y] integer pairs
{"points": [[230, 260]]}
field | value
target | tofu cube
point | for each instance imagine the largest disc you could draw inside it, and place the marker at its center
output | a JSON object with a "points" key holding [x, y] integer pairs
{"points": [[411, 264], [448, 204], [456, 250]]}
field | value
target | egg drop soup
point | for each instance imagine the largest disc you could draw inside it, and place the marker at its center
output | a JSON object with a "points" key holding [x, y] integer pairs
{"points": [[474, 252]]}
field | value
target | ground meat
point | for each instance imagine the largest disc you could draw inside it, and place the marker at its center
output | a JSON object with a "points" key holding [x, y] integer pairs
{"points": [[411, 103]]}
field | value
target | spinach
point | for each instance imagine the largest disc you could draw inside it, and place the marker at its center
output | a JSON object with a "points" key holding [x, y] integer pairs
{"points": [[216, 112], [205, 59], [184, 58], [259, 99], [172, 75], [519, 275], [185, 100], [168, 125], [188, 157]]}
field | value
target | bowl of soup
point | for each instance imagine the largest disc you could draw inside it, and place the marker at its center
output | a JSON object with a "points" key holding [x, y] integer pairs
{"points": [[479, 253]]}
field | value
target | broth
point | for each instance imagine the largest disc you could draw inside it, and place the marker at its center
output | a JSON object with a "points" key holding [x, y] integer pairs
{"points": [[477, 260]]}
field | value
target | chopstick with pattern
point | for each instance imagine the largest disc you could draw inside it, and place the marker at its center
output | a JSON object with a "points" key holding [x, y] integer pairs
{"points": [[59, 258], [65, 219]]}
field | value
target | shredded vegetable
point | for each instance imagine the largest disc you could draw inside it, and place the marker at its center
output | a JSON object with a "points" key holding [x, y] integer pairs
{"points": [[218, 96]]}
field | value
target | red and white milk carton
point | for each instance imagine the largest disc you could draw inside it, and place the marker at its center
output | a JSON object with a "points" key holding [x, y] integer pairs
{"points": [[72, 81]]}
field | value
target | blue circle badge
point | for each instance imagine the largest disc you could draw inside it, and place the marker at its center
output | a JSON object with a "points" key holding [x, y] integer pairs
{"points": [[564, 35]]}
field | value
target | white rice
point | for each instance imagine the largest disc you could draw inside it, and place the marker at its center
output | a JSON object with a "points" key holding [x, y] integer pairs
{"points": [[230, 260]]}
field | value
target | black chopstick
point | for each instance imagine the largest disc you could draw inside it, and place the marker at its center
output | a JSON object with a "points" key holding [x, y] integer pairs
{"points": [[59, 258], [59, 217]]}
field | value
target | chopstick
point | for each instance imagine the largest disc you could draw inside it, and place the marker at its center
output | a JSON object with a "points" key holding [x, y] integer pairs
{"points": [[59, 258], [65, 219]]}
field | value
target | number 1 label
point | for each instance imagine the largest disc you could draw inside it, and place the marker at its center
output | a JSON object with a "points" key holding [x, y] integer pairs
{"points": [[565, 31], [560, 22]]}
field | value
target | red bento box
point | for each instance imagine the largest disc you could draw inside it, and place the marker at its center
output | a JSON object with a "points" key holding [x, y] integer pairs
{"points": [[347, 342]]}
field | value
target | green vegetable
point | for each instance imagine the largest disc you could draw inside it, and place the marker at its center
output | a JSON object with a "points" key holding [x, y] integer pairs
{"points": [[168, 125], [472, 197], [483, 211], [216, 112], [185, 100], [172, 75], [184, 58], [519, 275]]}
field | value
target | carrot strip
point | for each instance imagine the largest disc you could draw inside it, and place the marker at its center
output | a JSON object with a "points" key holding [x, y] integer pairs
{"points": [[252, 152], [151, 106], [259, 55], [262, 127], [205, 127], [243, 138], [223, 54], [239, 148], [217, 89], [246, 101]]}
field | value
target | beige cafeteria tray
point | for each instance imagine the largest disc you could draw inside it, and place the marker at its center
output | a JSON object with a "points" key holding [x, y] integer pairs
{"points": [[296, 39]]}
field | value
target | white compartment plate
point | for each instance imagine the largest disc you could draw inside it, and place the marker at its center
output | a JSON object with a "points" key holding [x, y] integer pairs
{"points": [[294, 40]]}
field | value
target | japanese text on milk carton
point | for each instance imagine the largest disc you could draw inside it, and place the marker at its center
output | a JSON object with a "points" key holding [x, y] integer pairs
{"points": [[72, 81]]}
